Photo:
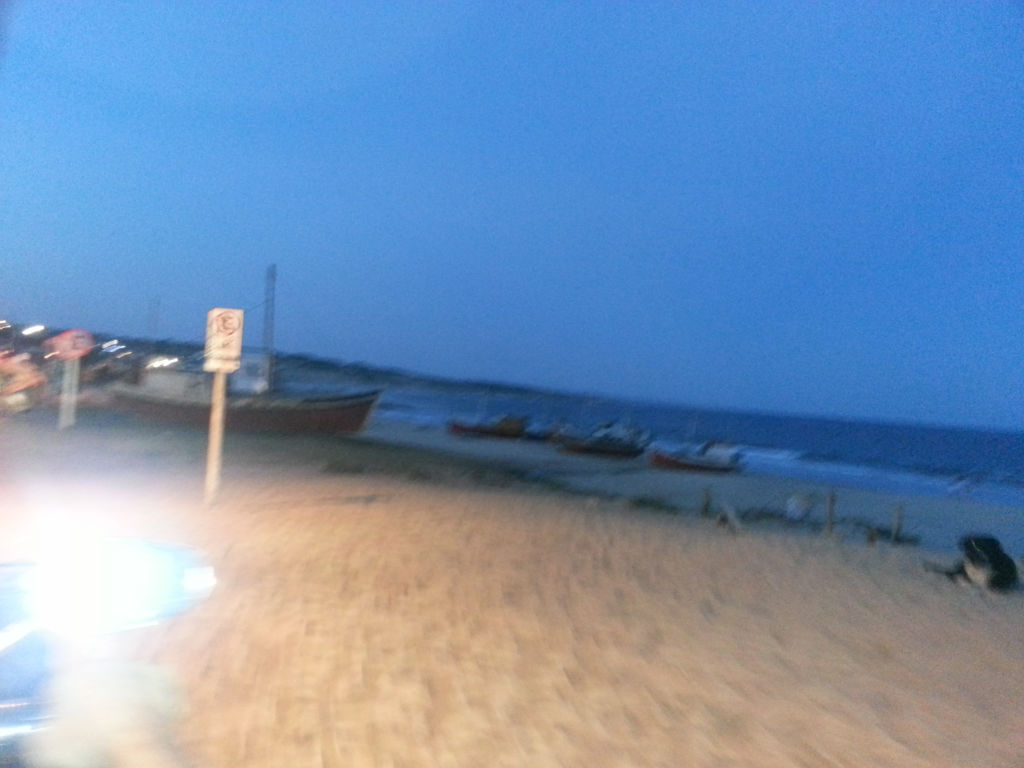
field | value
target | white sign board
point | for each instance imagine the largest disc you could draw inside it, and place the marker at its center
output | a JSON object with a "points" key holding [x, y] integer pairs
{"points": [[223, 340]]}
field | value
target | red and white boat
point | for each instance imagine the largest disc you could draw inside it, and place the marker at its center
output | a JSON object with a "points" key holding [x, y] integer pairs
{"points": [[710, 457]]}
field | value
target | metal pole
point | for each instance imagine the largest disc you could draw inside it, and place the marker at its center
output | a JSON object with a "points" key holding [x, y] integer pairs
{"points": [[68, 393], [268, 322], [213, 454]]}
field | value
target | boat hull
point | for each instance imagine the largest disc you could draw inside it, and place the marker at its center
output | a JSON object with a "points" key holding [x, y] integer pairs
{"points": [[602, 448], [507, 428], [329, 415], [663, 460]]}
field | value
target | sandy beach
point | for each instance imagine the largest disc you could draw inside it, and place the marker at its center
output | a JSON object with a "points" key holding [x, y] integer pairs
{"points": [[406, 599]]}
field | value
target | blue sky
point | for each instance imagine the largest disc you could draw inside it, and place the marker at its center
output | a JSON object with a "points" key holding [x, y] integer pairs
{"points": [[796, 207]]}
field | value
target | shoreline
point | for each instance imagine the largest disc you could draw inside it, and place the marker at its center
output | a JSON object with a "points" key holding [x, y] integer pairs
{"points": [[760, 499], [932, 524]]}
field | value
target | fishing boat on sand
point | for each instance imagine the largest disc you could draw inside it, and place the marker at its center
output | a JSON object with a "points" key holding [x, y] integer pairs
{"points": [[183, 397], [709, 457], [616, 439], [506, 427], [553, 432]]}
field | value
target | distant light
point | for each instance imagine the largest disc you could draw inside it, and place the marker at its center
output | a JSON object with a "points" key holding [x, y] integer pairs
{"points": [[161, 362], [32, 330], [4, 325], [111, 343]]}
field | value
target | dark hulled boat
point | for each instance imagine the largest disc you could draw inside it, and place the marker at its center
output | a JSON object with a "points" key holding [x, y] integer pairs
{"points": [[506, 426], [617, 439], [183, 397]]}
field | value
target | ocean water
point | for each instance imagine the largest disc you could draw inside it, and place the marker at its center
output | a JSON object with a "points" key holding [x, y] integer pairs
{"points": [[982, 465]]}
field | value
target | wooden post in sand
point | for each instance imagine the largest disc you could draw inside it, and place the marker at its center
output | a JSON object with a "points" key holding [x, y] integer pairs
{"points": [[223, 355], [215, 449], [897, 522], [830, 514], [705, 506]]}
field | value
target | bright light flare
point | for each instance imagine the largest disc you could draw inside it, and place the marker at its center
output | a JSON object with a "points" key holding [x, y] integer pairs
{"points": [[84, 588], [32, 330]]}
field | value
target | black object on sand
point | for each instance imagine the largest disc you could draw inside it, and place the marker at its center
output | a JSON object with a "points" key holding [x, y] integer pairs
{"points": [[984, 563]]}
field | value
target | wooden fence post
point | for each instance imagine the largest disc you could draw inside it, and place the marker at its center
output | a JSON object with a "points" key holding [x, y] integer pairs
{"points": [[897, 522], [830, 514]]}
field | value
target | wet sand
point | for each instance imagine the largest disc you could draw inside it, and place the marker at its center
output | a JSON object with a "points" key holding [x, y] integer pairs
{"points": [[383, 604]]}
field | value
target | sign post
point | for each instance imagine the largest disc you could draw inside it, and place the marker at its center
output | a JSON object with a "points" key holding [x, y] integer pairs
{"points": [[69, 393], [223, 355], [71, 347]]}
